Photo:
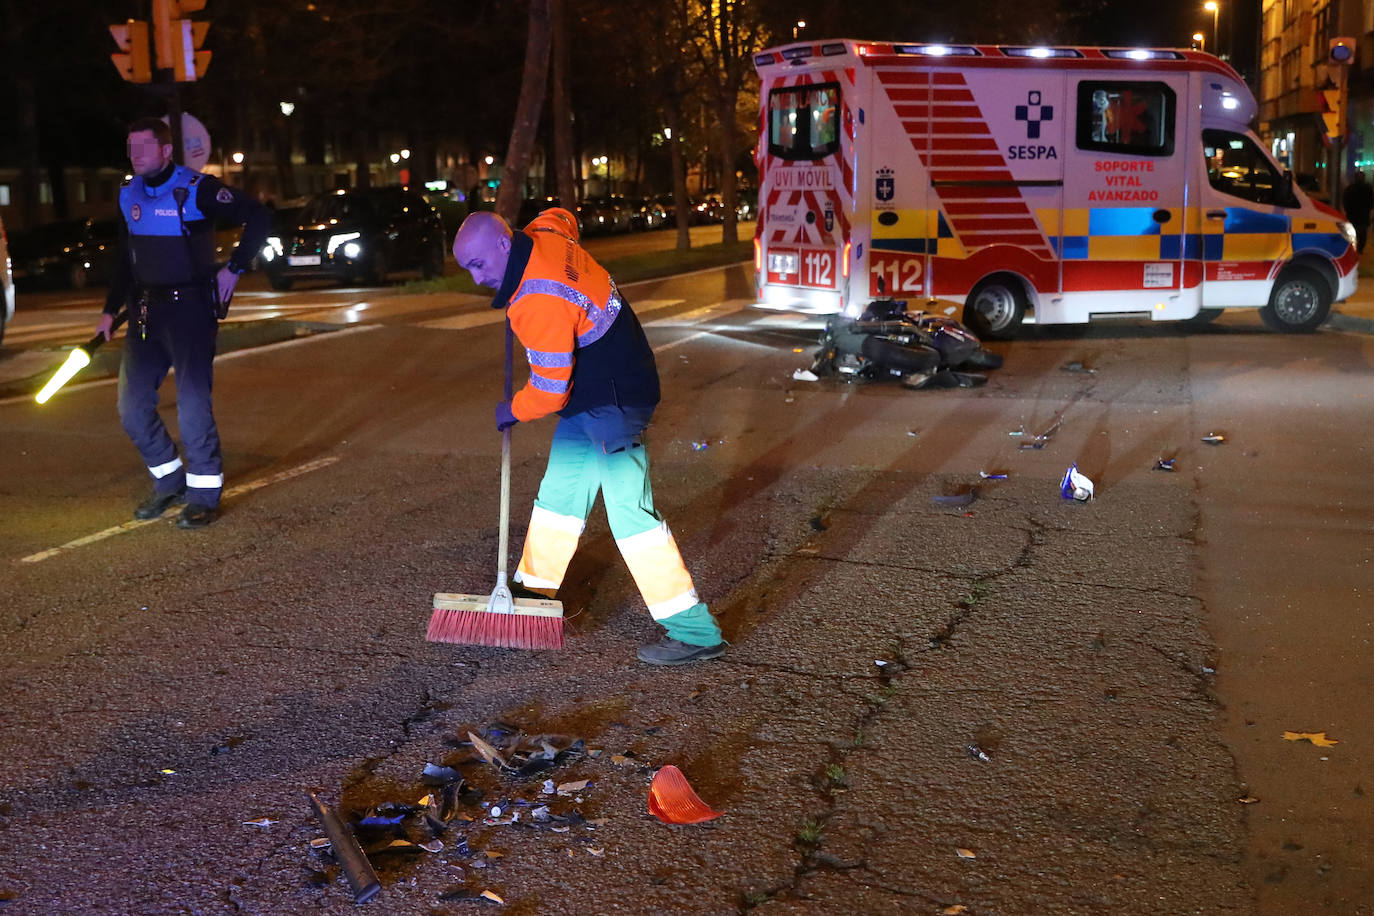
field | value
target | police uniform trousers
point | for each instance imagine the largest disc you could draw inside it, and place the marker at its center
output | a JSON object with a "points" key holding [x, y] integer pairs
{"points": [[602, 450], [180, 335]]}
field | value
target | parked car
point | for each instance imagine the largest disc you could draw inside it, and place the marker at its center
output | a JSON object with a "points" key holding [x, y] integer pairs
{"points": [[646, 214], [357, 235], [531, 207], [6, 283], [70, 254], [605, 215]]}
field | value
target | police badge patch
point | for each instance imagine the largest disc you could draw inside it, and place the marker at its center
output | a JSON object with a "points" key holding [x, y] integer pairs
{"points": [[225, 196], [136, 212]]}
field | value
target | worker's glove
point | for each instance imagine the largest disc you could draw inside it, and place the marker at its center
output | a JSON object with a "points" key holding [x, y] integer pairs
{"points": [[504, 418]]}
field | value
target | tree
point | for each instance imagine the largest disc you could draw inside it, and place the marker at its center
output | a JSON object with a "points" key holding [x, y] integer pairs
{"points": [[523, 131]]}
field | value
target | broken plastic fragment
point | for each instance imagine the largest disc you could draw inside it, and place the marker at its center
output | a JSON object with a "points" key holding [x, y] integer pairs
{"points": [[966, 853], [489, 753], [1033, 444], [1247, 799], [1164, 464], [260, 822], [568, 788], [433, 846], [986, 476], [806, 375], [549, 787], [954, 910], [1214, 438], [492, 853], [168, 772], [436, 775], [320, 842], [700, 445], [1075, 485], [596, 851], [1077, 366], [495, 811], [672, 800], [1317, 738], [977, 753], [491, 896]]}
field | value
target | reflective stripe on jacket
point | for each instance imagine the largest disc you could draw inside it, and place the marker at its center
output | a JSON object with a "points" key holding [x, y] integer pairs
{"points": [[584, 344]]}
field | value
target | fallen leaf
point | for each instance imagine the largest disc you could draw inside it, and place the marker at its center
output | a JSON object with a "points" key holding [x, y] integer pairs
{"points": [[966, 853], [489, 753], [491, 896], [492, 854], [1317, 738]]}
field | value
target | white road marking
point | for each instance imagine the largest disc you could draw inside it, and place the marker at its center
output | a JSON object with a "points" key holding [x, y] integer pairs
{"points": [[247, 351], [230, 493]]}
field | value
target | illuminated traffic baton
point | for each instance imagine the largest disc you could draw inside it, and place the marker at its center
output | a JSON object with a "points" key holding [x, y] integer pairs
{"points": [[79, 359]]}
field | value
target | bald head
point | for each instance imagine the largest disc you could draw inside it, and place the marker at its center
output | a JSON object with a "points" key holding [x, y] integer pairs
{"points": [[482, 248]]}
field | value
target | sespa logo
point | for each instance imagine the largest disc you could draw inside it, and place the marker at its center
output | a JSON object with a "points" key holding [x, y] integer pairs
{"points": [[1032, 152]]}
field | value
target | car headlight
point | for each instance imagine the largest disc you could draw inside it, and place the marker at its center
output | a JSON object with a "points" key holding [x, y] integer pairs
{"points": [[336, 240], [351, 250], [273, 248], [1348, 230]]}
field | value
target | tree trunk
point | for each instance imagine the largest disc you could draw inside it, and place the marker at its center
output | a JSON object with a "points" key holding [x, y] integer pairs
{"points": [[729, 193], [526, 126], [26, 119], [363, 179], [680, 204], [565, 176]]}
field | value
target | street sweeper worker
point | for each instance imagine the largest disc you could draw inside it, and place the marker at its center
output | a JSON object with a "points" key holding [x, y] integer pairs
{"points": [[591, 364], [166, 276]]}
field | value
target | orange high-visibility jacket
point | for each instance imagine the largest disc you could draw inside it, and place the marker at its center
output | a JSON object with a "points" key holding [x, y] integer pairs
{"points": [[584, 344]]}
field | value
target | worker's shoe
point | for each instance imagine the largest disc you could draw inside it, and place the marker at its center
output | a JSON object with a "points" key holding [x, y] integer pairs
{"points": [[194, 516], [669, 651], [159, 503]]}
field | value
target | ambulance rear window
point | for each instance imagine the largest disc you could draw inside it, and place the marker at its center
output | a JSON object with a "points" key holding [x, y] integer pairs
{"points": [[803, 121], [1133, 118]]}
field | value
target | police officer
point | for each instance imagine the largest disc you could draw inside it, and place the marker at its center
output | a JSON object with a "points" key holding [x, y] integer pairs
{"points": [[166, 274]]}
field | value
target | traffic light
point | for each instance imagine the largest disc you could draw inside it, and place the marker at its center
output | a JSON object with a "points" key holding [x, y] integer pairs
{"points": [[132, 61], [1341, 51], [179, 39], [1331, 117]]}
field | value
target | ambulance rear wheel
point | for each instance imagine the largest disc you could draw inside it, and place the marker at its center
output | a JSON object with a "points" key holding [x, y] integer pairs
{"points": [[995, 308], [1299, 303]]}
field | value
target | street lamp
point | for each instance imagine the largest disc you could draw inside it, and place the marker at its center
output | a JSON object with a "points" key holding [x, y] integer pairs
{"points": [[238, 158], [1213, 7], [287, 108], [796, 29], [1200, 40]]}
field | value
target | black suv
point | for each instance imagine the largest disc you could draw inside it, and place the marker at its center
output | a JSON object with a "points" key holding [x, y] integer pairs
{"points": [[357, 235]]}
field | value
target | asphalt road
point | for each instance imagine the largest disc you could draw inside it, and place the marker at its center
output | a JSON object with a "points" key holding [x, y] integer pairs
{"points": [[1088, 700]]}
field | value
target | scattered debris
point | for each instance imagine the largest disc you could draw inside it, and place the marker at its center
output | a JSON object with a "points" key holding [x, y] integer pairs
{"points": [[357, 870], [1164, 464], [977, 753], [1075, 485], [1017, 432], [435, 775], [986, 476], [700, 445], [260, 822], [672, 800], [819, 523], [489, 753], [1317, 738], [954, 910], [596, 851], [1077, 366], [491, 896], [1247, 799], [1214, 438], [805, 375], [320, 842], [571, 788], [966, 853], [912, 433]]}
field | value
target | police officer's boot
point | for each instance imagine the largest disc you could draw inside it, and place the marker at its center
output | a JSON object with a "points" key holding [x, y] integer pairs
{"points": [[158, 503], [194, 516]]}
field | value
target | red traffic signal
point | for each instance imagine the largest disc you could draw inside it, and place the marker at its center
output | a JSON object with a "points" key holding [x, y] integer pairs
{"points": [[179, 39]]}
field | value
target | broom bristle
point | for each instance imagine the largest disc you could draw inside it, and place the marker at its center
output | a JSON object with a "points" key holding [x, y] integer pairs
{"points": [[502, 631]]}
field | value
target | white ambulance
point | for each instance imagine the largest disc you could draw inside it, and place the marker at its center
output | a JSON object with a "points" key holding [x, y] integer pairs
{"points": [[1068, 183]]}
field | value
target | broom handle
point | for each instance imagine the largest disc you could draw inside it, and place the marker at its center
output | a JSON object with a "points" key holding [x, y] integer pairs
{"points": [[505, 469]]}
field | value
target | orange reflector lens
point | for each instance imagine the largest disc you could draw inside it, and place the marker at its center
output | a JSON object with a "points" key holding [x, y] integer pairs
{"points": [[672, 800]]}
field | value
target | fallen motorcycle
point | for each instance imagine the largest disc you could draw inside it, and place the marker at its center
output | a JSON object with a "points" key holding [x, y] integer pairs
{"points": [[887, 341]]}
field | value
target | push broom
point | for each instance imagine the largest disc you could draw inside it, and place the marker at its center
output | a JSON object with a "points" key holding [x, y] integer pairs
{"points": [[498, 619]]}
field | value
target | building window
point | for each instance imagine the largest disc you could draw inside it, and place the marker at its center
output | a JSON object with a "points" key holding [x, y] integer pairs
{"points": [[79, 190], [4, 195], [44, 192]]}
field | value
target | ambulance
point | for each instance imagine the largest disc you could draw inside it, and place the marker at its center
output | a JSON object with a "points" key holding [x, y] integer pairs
{"points": [[1047, 184]]}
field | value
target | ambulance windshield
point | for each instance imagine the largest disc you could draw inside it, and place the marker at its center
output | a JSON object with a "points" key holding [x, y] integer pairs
{"points": [[802, 121], [1237, 166]]}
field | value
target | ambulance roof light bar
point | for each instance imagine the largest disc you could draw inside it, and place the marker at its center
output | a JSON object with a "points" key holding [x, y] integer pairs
{"points": [[1041, 53], [939, 50], [1140, 54]]}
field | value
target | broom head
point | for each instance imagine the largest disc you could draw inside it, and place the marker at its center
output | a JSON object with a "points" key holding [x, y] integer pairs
{"points": [[497, 620]]}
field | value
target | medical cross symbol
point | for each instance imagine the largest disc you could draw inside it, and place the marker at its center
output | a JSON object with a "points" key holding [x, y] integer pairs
{"points": [[1033, 113]]}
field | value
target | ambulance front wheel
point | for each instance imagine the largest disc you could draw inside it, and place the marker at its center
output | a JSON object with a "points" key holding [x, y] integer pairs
{"points": [[995, 308], [1300, 302]]}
